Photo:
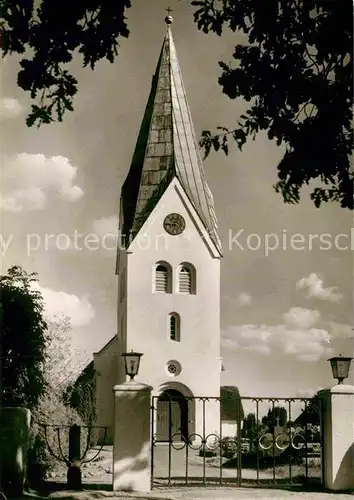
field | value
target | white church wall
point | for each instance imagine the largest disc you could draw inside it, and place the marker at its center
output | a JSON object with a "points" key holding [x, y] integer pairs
{"points": [[121, 315], [198, 351], [229, 428], [190, 361]]}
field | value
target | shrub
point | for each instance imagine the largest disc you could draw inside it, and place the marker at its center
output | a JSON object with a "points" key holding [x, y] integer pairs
{"points": [[51, 411], [228, 446], [23, 340], [59, 369]]}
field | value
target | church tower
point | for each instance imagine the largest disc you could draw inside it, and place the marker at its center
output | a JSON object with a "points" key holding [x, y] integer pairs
{"points": [[169, 251]]}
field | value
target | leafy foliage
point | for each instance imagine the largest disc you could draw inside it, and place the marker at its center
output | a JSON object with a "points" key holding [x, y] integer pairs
{"points": [[276, 416], [51, 33], [62, 362], [22, 339], [79, 395], [51, 411], [311, 413], [296, 73], [230, 403], [249, 423], [59, 370], [228, 446], [34, 355], [46, 453], [251, 429]]}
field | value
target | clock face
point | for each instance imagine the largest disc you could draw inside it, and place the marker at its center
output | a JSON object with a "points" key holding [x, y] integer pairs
{"points": [[174, 224]]}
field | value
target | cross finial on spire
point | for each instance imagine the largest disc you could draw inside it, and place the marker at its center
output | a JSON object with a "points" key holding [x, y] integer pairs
{"points": [[168, 18]]}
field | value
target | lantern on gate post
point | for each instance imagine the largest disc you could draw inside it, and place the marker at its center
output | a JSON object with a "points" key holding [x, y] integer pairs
{"points": [[340, 367], [131, 363]]}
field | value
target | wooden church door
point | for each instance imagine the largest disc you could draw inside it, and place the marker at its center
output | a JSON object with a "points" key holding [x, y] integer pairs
{"points": [[168, 420]]}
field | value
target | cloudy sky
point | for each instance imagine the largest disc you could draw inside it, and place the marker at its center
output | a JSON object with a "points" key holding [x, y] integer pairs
{"points": [[286, 294]]}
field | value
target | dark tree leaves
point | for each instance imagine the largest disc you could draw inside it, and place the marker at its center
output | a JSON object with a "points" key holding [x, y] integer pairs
{"points": [[80, 395], [296, 73], [22, 340], [275, 416], [50, 34], [311, 413]]}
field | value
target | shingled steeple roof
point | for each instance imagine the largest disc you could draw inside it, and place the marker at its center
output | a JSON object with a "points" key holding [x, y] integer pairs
{"points": [[166, 148]]}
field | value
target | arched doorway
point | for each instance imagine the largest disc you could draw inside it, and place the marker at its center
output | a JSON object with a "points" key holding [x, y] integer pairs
{"points": [[172, 416]]}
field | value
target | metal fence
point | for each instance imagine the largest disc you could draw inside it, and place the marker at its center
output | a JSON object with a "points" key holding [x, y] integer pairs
{"points": [[243, 441]]}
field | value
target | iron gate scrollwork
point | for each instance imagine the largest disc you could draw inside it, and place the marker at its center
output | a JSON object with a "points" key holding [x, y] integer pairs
{"points": [[267, 441]]}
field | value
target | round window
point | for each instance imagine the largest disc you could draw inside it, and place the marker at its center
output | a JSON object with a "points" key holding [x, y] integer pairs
{"points": [[173, 368]]}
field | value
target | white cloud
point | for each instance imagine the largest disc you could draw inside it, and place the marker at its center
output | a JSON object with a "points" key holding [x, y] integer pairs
{"points": [[296, 337], [299, 317], [315, 288], [31, 198], [10, 107], [244, 299], [30, 181], [78, 309], [307, 345], [247, 337], [253, 332]]}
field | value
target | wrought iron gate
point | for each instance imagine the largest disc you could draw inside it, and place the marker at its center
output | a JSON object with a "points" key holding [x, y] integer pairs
{"points": [[243, 441]]}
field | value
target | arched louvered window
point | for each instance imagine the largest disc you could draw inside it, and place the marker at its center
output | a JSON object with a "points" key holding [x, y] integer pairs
{"points": [[186, 279], [162, 277], [175, 327]]}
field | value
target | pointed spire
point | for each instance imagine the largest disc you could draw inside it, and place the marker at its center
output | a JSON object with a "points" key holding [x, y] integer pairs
{"points": [[166, 148]]}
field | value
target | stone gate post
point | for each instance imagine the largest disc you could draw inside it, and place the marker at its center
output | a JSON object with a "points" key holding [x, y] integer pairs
{"points": [[338, 427], [131, 445], [14, 438]]}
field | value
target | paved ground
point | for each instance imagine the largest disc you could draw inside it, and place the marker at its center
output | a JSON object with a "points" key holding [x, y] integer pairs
{"points": [[97, 479], [194, 466], [201, 494], [180, 465]]}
